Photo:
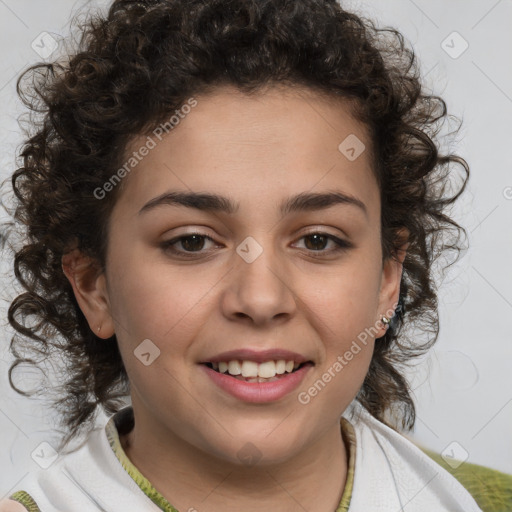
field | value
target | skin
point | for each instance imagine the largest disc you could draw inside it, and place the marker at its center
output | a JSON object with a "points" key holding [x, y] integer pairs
{"points": [[257, 151], [11, 506]]}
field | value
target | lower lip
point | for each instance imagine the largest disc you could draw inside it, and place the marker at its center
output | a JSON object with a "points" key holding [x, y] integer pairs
{"points": [[258, 392]]}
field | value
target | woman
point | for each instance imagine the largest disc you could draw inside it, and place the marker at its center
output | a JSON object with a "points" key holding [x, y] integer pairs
{"points": [[232, 210]]}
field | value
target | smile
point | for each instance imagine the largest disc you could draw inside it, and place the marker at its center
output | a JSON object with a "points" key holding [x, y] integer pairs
{"points": [[251, 371], [257, 377]]}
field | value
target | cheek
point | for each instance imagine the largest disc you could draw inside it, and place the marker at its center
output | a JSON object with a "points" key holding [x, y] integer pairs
{"points": [[344, 302], [158, 301]]}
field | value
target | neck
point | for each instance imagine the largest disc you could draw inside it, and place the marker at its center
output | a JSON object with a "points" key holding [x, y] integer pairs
{"points": [[192, 480]]}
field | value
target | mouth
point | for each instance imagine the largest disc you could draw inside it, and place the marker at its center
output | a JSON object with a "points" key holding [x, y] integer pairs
{"points": [[247, 370], [257, 376]]}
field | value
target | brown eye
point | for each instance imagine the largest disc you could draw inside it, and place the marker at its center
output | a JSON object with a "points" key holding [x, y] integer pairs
{"points": [[185, 245], [192, 242], [317, 242]]}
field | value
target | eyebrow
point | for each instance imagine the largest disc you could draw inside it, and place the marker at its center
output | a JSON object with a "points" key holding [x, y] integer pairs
{"points": [[306, 201]]}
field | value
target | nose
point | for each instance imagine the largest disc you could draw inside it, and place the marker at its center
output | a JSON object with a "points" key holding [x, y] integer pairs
{"points": [[259, 291]]}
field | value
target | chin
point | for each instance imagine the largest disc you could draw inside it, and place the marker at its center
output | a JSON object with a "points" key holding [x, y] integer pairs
{"points": [[257, 451]]}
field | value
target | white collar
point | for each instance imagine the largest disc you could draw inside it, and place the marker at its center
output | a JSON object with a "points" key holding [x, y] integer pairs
{"points": [[394, 475], [391, 475]]}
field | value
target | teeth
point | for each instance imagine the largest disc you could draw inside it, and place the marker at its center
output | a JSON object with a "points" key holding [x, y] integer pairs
{"points": [[253, 370], [249, 369], [234, 368], [267, 370]]}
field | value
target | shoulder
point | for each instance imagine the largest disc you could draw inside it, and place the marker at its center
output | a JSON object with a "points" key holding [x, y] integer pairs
{"points": [[387, 460], [490, 488]]}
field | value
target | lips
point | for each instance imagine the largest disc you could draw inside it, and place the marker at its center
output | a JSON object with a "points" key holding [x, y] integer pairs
{"points": [[257, 356], [257, 376]]}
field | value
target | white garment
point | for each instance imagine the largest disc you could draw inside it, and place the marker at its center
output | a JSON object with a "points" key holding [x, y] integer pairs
{"points": [[391, 475]]}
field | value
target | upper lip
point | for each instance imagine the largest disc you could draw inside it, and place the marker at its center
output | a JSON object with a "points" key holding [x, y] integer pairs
{"points": [[258, 356]]}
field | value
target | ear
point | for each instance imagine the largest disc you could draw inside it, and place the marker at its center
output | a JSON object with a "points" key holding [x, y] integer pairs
{"points": [[390, 282], [89, 286]]}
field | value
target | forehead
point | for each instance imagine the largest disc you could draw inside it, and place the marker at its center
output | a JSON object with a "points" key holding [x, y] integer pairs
{"points": [[276, 142]]}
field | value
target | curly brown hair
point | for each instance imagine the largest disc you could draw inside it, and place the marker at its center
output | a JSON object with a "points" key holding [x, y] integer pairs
{"points": [[138, 63]]}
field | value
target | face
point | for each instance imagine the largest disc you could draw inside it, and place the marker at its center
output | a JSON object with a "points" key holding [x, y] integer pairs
{"points": [[286, 267]]}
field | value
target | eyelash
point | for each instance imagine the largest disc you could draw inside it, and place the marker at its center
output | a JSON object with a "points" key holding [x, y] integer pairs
{"points": [[341, 245]]}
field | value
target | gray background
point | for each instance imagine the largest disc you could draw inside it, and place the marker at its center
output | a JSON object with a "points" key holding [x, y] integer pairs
{"points": [[463, 388]]}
